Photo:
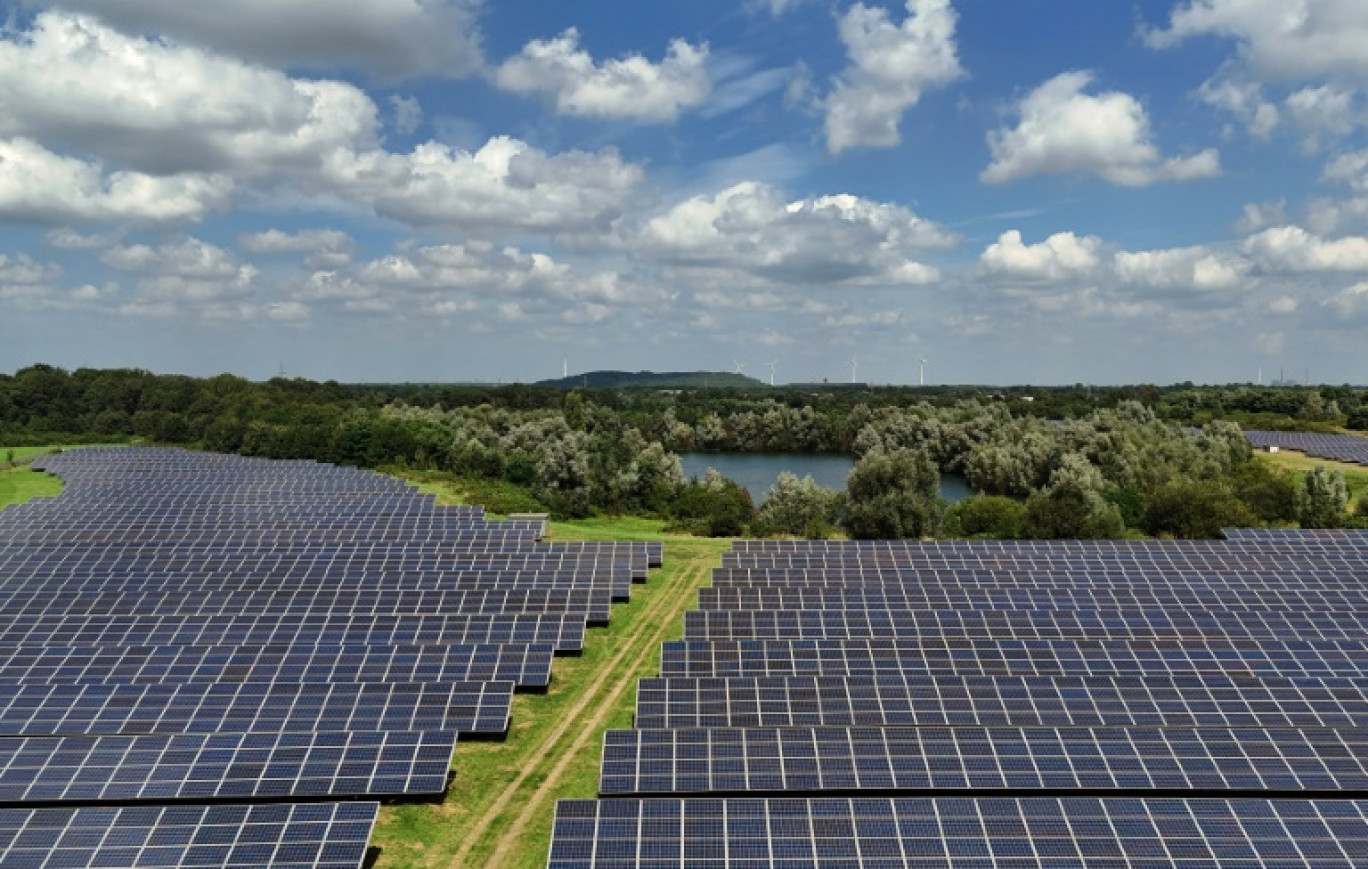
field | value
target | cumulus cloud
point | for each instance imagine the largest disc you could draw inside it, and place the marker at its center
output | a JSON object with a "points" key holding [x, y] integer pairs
{"points": [[161, 108], [1278, 39], [1293, 249], [630, 87], [1350, 169], [322, 248], [17, 269], [1196, 268], [506, 184], [388, 38], [751, 228], [1061, 255], [185, 276], [39, 186], [451, 279], [1244, 99], [191, 126], [891, 66], [1062, 130], [1349, 301]]}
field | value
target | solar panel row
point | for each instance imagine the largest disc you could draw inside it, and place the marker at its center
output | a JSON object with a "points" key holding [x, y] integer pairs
{"points": [[188, 627], [1025, 677]]}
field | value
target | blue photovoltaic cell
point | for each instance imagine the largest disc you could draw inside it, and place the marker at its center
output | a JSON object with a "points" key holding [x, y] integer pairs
{"points": [[1082, 833], [278, 836]]}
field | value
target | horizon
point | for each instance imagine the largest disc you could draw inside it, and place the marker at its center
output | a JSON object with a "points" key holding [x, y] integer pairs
{"points": [[1164, 191]]}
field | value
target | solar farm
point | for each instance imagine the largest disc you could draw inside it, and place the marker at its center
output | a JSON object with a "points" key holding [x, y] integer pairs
{"points": [[1340, 448], [212, 660], [994, 704]]}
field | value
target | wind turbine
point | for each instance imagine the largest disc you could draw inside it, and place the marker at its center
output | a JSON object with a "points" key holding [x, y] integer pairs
{"points": [[854, 367], [565, 368], [738, 368], [771, 368], [921, 379]]}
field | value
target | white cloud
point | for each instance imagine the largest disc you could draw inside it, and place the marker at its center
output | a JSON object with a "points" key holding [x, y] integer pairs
{"points": [[1245, 100], [1278, 39], [751, 228], [162, 108], [66, 238], [39, 186], [1283, 306], [389, 38], [323, 248], [1350, 169], [1261, 215], [891, 66], [1184, 268], [1061, 255], [23, 269], [1063, 130], [1293, 249], [408, 113], [1349, 301], [629, 87], [193, 126], [506, 184]]}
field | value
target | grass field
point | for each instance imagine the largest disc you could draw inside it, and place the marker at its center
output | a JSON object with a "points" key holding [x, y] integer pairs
{"points": [[19, 484], [1355, 476]]}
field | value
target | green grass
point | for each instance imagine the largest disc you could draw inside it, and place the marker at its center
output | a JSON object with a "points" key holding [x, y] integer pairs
{"points": [[469, 828], [1355, 476], [20, 484]]}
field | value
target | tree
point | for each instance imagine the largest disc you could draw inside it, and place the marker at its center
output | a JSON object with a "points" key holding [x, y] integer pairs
{"points": [[1323, 499], [991, 517], [893, 495], [1072, 506], [1194, 509], [798, 507]]}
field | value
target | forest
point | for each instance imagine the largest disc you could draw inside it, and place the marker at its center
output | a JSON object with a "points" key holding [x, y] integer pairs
{"points": [[1046, 462]]}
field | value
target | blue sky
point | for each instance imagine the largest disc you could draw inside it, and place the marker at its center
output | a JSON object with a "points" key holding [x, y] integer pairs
{"points": [[1022, 191]]}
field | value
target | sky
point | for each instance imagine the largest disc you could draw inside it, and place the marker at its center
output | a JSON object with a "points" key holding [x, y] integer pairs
{"points": [[1016, 191]]}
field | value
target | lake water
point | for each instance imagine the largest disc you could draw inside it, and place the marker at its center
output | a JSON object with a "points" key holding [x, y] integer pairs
{"points": [[758, 471]]}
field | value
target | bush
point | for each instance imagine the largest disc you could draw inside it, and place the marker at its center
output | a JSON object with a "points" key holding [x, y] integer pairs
{"points": [[1323, 499], [1194, 509], [712, 507], [893, 495], [796, 507], [991, 517]]}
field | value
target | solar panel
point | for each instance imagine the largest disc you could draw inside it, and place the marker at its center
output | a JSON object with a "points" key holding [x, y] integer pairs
{"points": [[869, 833], [564, 631], [526, 665], [723, 761], [867, 657], [1202, 700], [1018, 624], [279, 836], [253, 707], [217, 766]]}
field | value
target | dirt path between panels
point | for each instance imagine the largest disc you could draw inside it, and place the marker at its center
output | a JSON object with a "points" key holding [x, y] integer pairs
{"points": [[498, 812], [581, 731]]}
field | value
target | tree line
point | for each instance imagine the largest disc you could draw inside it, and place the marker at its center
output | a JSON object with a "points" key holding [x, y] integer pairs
{"points": [[1062, 462]]}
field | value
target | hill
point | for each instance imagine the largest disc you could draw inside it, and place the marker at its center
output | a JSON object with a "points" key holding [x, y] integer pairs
{"points": [[654, 379]]}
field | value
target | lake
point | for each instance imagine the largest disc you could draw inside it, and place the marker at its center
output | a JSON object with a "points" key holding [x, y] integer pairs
{"points": [[758, 471]]}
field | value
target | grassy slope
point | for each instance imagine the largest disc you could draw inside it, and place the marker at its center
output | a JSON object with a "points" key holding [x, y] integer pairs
{"points": [[499, 810]]}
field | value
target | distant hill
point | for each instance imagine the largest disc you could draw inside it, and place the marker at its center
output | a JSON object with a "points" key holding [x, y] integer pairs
{"points": [[654, 379]]}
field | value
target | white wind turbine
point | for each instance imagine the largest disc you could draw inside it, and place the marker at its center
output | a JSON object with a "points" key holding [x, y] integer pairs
{"points": [[738, 368], [922, 374], [771, 368], [854, 367]]}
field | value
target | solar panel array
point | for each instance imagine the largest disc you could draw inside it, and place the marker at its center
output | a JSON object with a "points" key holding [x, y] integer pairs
{"points": [[995, 704], [1341, 448], [183, 627]]}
